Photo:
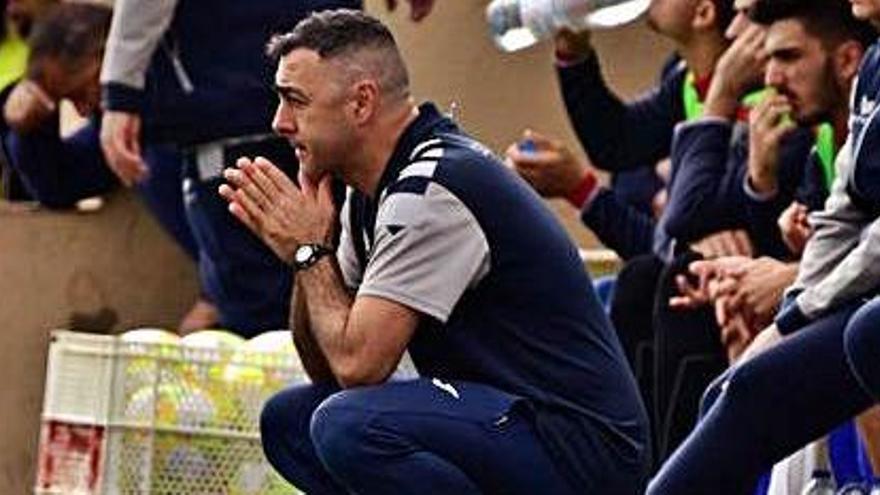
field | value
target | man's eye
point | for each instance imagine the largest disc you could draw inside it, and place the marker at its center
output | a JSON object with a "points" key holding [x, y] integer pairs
{"points": [[293, 100]]}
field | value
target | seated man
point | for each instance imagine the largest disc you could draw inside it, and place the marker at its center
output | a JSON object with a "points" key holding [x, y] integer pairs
{"points": [[524, 388], [18, 18], [774, 402], [65, 58]]}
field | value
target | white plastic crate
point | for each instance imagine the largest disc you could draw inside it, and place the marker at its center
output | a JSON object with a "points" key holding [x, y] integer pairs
{"points": [[133, 418]]}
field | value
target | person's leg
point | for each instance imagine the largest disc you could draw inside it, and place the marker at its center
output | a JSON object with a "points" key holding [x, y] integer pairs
{"points": [[245, 279], [163, 195], [59, 173], [773, 404], [284, 430], [862, 344], [431, 437], [687, 355], [632, 303]]}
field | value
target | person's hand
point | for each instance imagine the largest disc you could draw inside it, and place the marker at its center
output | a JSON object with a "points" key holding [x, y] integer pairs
{"points": [[418, 9], [765, 339], [708, 274], [738, 69], [754, 291], [573, 45], [769, 122], [550, 167], [276, 210], [795, 227], [736, 336], [724, 243], [27, 107], [121, 142]]}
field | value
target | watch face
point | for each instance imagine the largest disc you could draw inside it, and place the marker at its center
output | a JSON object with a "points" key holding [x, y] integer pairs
{"points": [[303, 254]]}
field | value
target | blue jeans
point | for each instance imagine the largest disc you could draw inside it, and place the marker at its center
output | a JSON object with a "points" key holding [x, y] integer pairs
{"points": [[407, 437], [758, 413]]}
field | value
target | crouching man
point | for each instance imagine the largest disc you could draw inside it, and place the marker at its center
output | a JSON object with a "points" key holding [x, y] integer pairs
{"points": [[447, 255]]}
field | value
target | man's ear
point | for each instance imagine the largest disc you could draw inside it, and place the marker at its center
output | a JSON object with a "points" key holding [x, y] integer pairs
{"points": [[365, 101], [705, 16], [847, 58]]}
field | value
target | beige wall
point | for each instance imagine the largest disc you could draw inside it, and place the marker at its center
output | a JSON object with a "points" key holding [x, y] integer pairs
{"points": [[106, 271], [55, 266]]}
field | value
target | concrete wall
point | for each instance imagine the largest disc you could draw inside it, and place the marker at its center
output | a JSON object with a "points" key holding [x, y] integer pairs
{"points": [[107, 271], [115, 269]]}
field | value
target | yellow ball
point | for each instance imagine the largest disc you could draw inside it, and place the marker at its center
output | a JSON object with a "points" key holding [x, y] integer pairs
{"points": [[261, 367], [206, 353], [171, 404], [148, 355]]}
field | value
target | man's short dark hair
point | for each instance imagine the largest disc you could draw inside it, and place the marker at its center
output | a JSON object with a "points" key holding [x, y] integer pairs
{"points": [[829, 20], [725, 13], [70, 33], [331, 33], [365, 43]]}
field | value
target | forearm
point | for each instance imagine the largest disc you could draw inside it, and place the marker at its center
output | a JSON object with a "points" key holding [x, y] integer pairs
{"points": [[616, 135], [313, 360], [328, 305], [620, 227], [704, 189], [837, 229]]}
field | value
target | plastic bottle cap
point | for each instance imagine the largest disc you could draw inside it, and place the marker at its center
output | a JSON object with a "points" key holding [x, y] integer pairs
{"points": [[527, 146]]}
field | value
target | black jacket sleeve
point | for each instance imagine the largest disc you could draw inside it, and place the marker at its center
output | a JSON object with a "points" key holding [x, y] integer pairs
{"points": [[617, 135], [620, 227]]}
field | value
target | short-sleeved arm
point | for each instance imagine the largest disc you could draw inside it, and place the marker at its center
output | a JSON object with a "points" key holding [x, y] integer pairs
{"points": [[428, 249], [346, 254]]}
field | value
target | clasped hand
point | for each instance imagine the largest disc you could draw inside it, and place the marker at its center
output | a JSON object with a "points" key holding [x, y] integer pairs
{"points": [[278, 211]]}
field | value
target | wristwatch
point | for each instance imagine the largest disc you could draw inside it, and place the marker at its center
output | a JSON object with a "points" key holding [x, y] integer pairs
{"points": [[307, 255]]}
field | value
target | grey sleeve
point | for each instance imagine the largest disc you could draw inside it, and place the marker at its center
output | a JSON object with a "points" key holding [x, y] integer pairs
{"points": [[842, 258], [137, 28], [345, 253], [429, 248]]}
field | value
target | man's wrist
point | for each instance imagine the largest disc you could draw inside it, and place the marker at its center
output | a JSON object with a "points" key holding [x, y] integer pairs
{"points": [[569, 58], [721, 102]]}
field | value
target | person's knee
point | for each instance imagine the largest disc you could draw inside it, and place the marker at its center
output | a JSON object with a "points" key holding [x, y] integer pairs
{"points": [[287, 411], [713, 391], [339, 432], [273, 417], [861, 341]]}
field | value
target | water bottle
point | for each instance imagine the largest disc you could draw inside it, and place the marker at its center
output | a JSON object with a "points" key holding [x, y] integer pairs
{"points": [[820, 484], [517, 24]]}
